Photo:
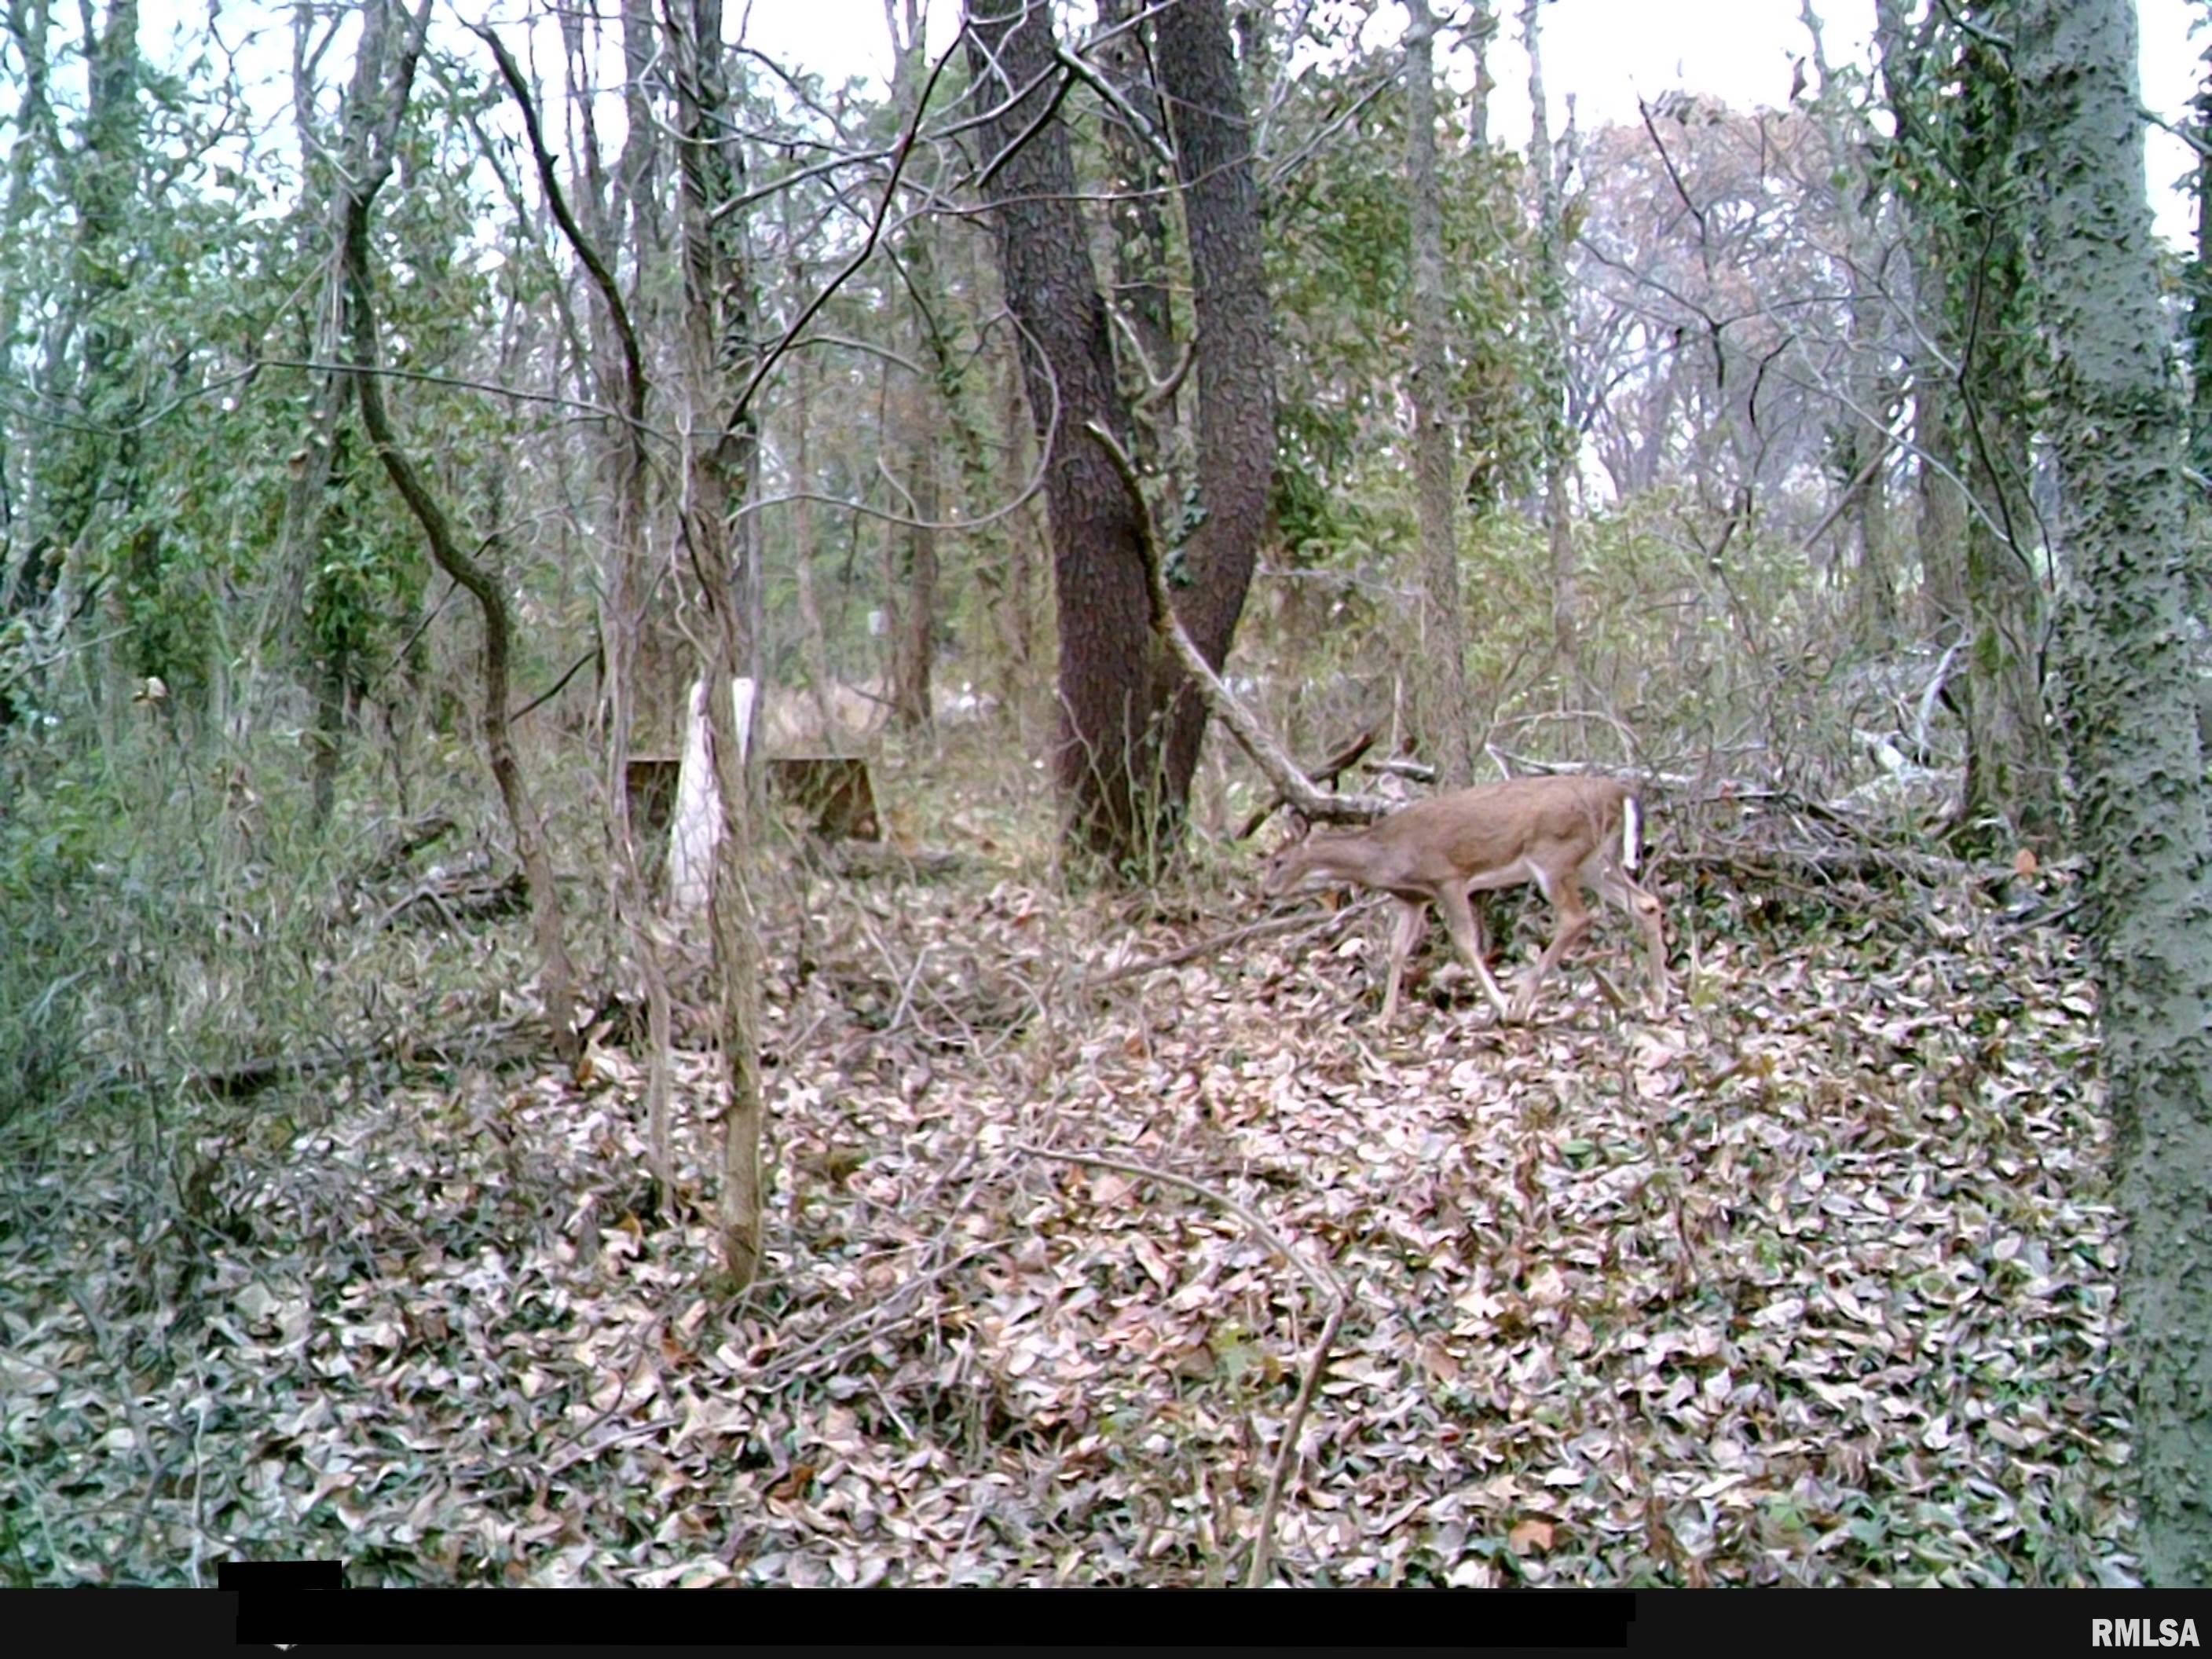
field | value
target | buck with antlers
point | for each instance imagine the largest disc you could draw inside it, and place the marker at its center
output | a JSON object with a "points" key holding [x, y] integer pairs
{"points": [[1558, 832]]}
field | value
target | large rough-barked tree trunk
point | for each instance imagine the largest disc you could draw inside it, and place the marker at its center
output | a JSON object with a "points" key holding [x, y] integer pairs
{"points": [[2118, 423], [1233, 356], [1137, 212], [1130, 728], [1103, 756]]}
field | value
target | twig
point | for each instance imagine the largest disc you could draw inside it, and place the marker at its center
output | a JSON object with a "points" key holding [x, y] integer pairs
{"points": [[2043, 918], [1399, 766], [1321, 1278], [557, 687], [1222, 941]]}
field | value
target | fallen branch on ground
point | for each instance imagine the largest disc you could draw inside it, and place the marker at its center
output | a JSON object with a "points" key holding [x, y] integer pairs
{"points": [[508, 1043], [1207, 947]]}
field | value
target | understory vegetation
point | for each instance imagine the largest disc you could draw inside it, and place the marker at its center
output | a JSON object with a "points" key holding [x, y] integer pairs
{"points": [[1811, 1281]]}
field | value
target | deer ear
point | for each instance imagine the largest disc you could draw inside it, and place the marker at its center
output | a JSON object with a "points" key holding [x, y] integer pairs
{"points": [[1299, 825]]}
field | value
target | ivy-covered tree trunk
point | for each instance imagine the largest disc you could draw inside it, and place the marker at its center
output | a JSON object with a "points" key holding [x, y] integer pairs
{"points": [[2012, 762], [1941, 522], [2117, 425], [813, 637], [1480, 34], [307, 491], [1862, 443], [914, 653], [2199, 284], [954, 416], [82, 482], [1952, 96], [914, 577]]}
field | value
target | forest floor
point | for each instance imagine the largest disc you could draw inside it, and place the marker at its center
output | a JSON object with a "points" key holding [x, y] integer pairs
{"points": [[1810, 1281]]}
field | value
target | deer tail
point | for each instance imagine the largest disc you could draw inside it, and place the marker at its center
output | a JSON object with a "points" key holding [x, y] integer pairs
{"points": [[1632, 831]]}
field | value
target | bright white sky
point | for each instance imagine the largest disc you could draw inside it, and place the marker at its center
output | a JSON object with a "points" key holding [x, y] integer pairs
{"points": [[1605, 53]]}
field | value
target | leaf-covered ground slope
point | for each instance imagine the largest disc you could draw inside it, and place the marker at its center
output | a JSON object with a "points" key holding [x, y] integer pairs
{"points": [[1811, 1281]]}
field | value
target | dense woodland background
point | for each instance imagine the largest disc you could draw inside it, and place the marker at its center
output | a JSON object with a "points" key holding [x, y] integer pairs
{"points": [[403, 1158]]}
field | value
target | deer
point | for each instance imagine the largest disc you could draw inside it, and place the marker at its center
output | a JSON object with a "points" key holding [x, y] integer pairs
{"points": [[1558, 832]]}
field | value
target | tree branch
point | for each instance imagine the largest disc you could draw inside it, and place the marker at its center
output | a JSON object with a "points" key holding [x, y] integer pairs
{"points": [[1267, 751]]}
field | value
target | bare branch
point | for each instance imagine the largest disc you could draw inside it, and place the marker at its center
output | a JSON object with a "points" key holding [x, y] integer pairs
{"points": [[1267, 751]]}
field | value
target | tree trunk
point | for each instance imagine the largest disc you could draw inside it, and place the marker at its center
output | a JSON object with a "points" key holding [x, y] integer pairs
{"points": [[913, 579], [371, 148], [911, 691], [618, 375], [1021, 613], [2118, 427], [721, 453], [813, 638], [2014, 777], [300, 535], [1874, 590], [1103, 755], [1481, 35], [90, 465], [1234, 353], [1557, 435], [327, 747], [1872, 599], [2013, 774], [2198, 283], [1942, 506], [993, 558], [1140, 224], [1442, 715], [1962, 214], [936, 308]]}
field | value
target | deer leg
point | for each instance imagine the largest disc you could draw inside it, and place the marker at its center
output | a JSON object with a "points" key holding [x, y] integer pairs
{"points": [[1573, 920], [1613, 885], [1466, 933], [1412, 918]]}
